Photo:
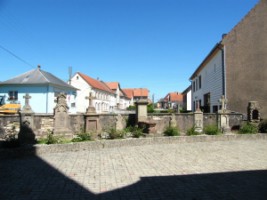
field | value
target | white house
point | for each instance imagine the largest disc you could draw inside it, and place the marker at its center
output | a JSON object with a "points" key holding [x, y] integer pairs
{"points": [[122, 101], [208, 81], [187, 98], [104, 98], [42, 86]]}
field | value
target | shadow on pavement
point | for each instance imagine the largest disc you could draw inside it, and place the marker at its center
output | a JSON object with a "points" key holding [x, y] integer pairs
{"points": [[29, 177]]}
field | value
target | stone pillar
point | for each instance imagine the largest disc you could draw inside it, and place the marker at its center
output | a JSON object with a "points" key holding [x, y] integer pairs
{"points": [[198, 119], [223, 116], [61, 118], [141, 110]]}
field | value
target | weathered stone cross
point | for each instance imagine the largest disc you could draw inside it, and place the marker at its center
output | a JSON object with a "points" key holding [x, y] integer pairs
{"points": [[223, 101], [90, 97], [27, 97]]}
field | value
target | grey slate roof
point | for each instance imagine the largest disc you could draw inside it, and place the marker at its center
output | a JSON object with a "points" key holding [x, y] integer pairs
{"points": [[37, 77]]}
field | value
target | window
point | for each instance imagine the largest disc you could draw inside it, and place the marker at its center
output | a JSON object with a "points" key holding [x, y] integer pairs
{"points": [[13, 95], [199, 82], [194, 89], [196, 84], [215, 109]]}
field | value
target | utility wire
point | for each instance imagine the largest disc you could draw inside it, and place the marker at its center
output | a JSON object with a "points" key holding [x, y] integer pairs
{"points": [[11, 53]]}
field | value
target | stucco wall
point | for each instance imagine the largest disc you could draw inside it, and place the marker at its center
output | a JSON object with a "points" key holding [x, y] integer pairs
{"points": [[246, 61]]}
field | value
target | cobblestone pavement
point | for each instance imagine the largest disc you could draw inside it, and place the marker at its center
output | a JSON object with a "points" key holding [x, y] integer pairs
{"points": [[200, 170]]}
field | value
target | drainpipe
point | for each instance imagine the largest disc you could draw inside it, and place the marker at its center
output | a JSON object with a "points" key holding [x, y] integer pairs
{"points": [[47, 99], [223, 71]]}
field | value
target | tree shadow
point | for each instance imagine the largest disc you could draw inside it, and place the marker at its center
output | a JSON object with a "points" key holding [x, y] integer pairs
{"points": [[25, 176]]}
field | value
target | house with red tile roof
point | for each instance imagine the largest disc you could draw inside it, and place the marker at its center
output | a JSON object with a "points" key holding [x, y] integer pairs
{"points": [[104, 98], [122, 100], [136, 94], [171, 100]]}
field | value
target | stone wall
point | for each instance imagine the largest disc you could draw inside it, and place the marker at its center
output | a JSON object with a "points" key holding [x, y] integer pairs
{"points": [[43, 124]]}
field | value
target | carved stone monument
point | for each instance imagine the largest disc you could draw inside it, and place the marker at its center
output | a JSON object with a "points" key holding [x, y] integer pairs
{"points": [[91, 108], [198, 119], [26, 134], [61, 118], [254, 112], [91, 118], [223, 116]]}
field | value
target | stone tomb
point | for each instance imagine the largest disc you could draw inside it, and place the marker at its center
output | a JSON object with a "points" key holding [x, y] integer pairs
{"points": [[61, 117]]}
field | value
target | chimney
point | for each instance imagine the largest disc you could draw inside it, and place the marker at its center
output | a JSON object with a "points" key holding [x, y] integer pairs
{"points": [[39, 67]]}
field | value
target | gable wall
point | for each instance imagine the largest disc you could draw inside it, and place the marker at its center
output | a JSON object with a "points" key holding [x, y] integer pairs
{"points": [[246, 61]]}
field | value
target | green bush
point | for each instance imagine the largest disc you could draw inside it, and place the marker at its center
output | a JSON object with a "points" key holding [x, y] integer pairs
{"points": [[150, 108], [211, 130], [171, 131], [82, 137], [192, 131], [248, 129], [137, 132], [263, 126], [114, 134]]}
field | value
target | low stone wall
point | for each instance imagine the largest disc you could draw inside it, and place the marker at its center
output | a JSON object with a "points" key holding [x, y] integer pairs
{"points": [[44, 123], [103, 144]]}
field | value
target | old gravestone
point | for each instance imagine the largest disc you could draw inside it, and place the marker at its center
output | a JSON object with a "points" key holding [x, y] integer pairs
{"points": [[223, 116], [26, 134], [198, 119], [61, 118], [91, 117]]}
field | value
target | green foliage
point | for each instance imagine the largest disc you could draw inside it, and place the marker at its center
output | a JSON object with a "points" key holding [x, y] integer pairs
{"points": [[131, 108], [211, 130], [248, 128], [150, 108], [192, 131], [51, 139], [171, 131], [115, 134], [263, 126], [82, 137], [137, 132]]}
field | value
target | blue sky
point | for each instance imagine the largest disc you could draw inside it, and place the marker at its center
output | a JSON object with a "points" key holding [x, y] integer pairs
{"points": [[155, 44]]}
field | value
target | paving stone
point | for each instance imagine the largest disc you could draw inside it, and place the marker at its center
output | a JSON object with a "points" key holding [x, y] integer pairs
{"points": [[197, 170]]}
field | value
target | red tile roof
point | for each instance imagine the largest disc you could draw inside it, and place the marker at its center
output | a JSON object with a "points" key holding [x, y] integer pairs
{"points": [[141, 92], [112, 85], [136, 92], [96, 83], [128, 92], [174, 96]]}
